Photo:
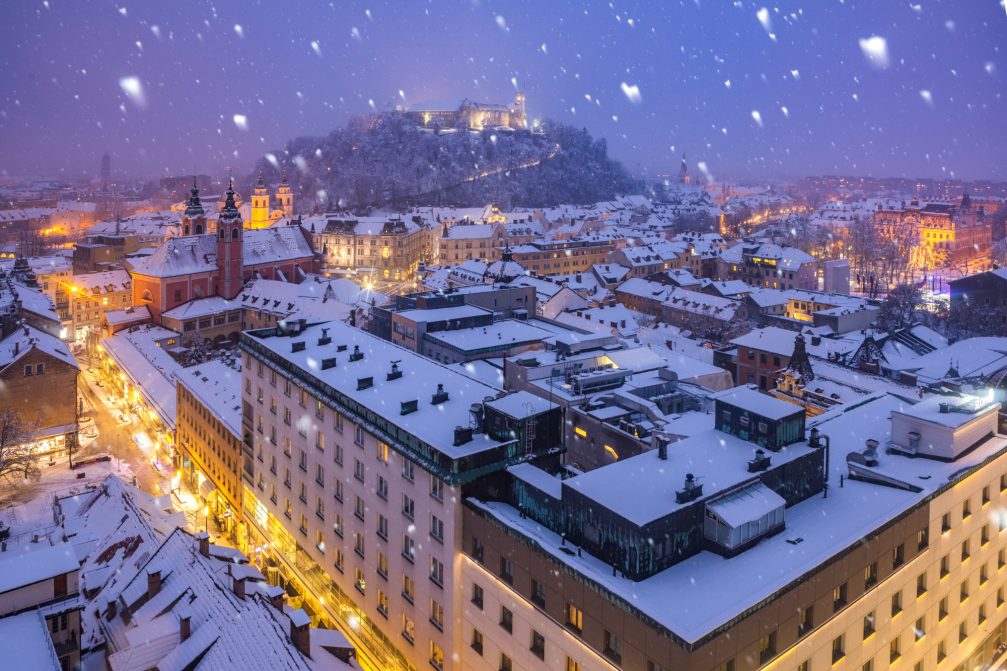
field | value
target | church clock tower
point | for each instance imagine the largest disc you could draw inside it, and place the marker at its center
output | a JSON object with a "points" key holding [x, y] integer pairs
{"points": [[260, 206], [285, 197], [194, 218], [229, 247]]}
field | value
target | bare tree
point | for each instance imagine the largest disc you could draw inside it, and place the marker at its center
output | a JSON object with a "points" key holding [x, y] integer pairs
{"points": [[19, 458]]}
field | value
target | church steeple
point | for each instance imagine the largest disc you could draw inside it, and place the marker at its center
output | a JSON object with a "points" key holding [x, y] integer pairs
{"points": [[800, 364], [260, 205], [229, 247], [195, 207]]}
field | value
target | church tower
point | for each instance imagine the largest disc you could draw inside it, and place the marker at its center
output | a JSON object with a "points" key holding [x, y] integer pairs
{"points": [[229, 247], [194, 218], [260, 206], [285, 197]]}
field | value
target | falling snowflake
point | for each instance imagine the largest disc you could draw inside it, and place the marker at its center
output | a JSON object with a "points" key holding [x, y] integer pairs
{"points": [[757, 117], [927, 97], [316, 47], [875, 49], [238, 30], [133, 88], [632, 93], [502, 23], [241, 121]]}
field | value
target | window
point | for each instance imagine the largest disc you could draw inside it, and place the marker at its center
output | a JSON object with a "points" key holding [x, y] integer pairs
{"points": [[921, 584], [477, 549], [923, 538], [408, 506], [505, 663], [382, 452], [767, 647], [506, 619], [477, 641], [805, 620], [726, 666], [963, 592], [358, 470], [437, 614], [839, 597], [408, 547], [894, 649], [408, 470], [986, 494], [437, 571], [337, 455], [574, 618], [942, 652], [408, 588], [537, 593], [571, 665], [945, 523], [383, 565], [984, 574], [984, 535], [382, 527], [966, 553], [868, 625], [383, 603], [945, 566], [1001, 559], [537, 644], [613, 647], [477, 596], [408, 629], [1000, 596], [868, 666], [358, 543], [437, 528], [838, 649], [896, 603], [436, 488], [963, 632], [982, 613], [358, 508], [871, 575], [898, 556], [507, 570], [966, 509], [360, 582], [358, 435]]}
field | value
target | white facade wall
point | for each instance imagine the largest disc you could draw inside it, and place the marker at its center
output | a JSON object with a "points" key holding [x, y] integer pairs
{"points": [[359, 458]]}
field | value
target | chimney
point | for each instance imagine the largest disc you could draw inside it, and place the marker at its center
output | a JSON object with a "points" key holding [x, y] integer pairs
{"points": [[276, 597], [153, 583], [111, 608], [662, 447], [239, 587], [184, 625], [300, 632], [204, 543]]}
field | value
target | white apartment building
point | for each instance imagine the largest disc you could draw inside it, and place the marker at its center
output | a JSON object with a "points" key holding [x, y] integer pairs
{"points": [[356, 452], [903, 565]]}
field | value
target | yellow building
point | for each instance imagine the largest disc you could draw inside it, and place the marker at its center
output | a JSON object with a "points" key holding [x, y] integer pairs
{"points": [[266, 209]]}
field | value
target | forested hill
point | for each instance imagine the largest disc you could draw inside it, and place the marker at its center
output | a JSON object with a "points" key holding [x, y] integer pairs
{"points": [[384, 160]]}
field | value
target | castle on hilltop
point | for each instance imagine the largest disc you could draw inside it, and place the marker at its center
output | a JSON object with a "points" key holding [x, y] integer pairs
{"points": [[469, 115]]}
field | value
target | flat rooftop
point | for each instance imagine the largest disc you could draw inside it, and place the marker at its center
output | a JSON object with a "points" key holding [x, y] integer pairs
{"points": [[706, 591], [504, 332], [764, 405], [432, 424], [443, 314]]}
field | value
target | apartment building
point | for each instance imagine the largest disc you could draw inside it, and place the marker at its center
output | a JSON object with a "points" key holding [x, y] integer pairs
{"points": [[898, 560], [91, 296], [357, 454]]}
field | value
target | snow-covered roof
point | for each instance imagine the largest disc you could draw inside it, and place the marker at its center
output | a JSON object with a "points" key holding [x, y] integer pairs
{"points": [[706, 591], [432, 424], [787, 258], [421, 315], [781, 341], [218, 388], [127, 316], [470, 231], [190, 254], [706, 305], [104, 282], [23, 565], [149, 368], [26, 639], [503, 332], [24, 339], [764, 405], [522, 404], [201, 307]]}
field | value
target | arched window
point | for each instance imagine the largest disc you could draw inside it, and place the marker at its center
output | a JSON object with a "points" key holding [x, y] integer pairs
{"points": [[185, 230], [199, 229], [221, 233], [146, 296], [234, 233]]}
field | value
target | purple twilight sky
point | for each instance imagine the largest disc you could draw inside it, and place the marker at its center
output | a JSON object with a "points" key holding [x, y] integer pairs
{"points": [[875, 87]]}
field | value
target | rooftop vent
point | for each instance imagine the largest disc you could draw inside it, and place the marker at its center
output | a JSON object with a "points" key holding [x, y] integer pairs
{"points": [[463, 434], [325, 339], [690, 491], [356, 355], [759, 463], [364, 383], [816, 340], [297, 346], [440, 396], [328, 363], [409, 407], [944, 408], [871, 452], [395, 373]]}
